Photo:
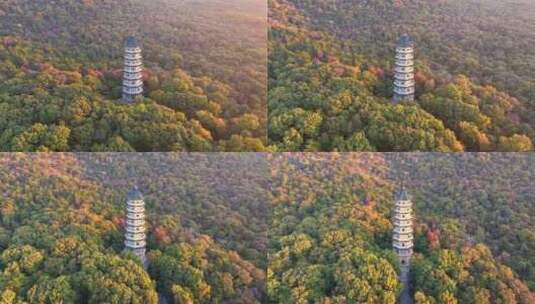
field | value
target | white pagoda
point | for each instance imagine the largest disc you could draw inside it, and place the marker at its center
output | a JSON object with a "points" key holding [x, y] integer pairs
{"points": [[135, 238], [133, 66], [402, 240], [404, 70]]}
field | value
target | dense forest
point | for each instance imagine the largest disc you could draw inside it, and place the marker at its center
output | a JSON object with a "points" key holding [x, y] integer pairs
{"points": [[62, 217], [61, 69], [331, 66], [331, 229]]}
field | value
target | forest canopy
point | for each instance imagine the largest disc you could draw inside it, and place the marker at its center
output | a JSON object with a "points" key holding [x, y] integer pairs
{"points": [[62, 220], [331, 66], [204, 75], [331, 228]]}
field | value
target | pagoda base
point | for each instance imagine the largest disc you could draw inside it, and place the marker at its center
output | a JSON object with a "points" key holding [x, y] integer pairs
{"points": [[402, 98], [129, 98]]}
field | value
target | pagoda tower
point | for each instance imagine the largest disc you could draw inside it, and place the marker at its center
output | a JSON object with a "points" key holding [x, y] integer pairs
{"points": [[402, 240], [404, 70], [133, 66], [135, 238]]}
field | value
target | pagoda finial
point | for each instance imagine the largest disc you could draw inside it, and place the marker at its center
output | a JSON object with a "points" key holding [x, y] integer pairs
{"points": [[131, 42], [402, 191]]}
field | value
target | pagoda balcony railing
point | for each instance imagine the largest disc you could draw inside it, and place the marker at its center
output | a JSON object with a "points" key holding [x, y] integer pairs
{"points": [[135, 216], [135, 50], [402, 209], [135, 223], [404, 50], [404, 203], [403, 217], [135, 244], [404, 83], [402, 214], [404, 91], [403, 238], [133, 63], [129, 69], [135, 236], [402, 224], [403, 230], [136, 203], [407, 76], [404, 252], [132, 76], [405, 226], [132, 83], [404, 56], [133, 56], [135, 209], [404, 63], [400, 69], [402, 245], [135, 229], [132, 91], [142, 205]]}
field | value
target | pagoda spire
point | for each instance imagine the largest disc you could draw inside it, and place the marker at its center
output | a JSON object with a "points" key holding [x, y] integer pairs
{"points": [[133, 66], [402, 240], [135, 238], [404, 70]]}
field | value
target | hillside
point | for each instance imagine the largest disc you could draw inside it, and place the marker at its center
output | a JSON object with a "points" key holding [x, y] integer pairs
{"points": [[60, 73], [62, 217], [330, 240], [331, 69]]}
